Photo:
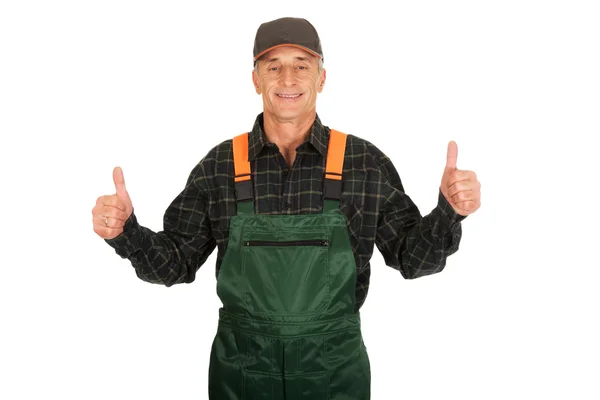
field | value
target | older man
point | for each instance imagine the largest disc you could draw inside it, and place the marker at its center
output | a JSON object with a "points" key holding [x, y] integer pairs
{"points": [[295, 209]]}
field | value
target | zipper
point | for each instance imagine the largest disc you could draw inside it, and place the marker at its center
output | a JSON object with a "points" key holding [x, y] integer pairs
{"points": [[318, 243]]}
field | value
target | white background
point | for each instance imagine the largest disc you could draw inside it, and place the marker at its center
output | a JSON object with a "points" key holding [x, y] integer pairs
{"points": [[153, 86]]}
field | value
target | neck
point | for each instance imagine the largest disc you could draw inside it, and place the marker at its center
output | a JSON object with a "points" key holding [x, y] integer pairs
{"points": [[288, 134]]}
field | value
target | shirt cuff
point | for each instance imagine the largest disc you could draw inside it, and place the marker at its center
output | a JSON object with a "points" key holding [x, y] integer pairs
{"points": [[126, 242]]}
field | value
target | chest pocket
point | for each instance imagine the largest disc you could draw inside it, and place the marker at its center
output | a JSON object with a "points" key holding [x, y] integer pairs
{"points": [[286, 273]]}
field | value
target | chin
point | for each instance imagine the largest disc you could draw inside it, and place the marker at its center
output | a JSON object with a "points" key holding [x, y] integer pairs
{"points": [[287, 114]]}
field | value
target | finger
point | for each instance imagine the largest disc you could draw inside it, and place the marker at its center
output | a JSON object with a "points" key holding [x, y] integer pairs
{"points": [[112, 201], [463, 185], [452, 155], [462, 175], [113, 212], [463, 196], [469, 206], [108, 222], [119, 181], [466, 197], [451, 177]]}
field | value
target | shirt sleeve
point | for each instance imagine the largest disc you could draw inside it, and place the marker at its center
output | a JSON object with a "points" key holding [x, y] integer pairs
{"points": [[416, 245], [174, 254]]}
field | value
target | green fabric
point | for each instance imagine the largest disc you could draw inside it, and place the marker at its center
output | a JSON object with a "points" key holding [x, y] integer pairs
{"points": [[287, 328], [245, 207]]}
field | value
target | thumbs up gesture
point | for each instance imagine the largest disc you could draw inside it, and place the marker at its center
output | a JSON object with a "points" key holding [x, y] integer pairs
{"points": [[460, 187], [112, 211]]}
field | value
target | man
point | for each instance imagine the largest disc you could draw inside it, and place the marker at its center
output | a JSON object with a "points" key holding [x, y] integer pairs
{"points": [[295, 209]]}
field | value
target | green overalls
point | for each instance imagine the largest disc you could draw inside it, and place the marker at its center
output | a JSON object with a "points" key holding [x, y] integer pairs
{"points": [[287, 328]]}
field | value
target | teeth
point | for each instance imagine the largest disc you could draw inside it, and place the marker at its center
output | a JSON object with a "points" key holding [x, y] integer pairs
{"points": [[288, 96]]}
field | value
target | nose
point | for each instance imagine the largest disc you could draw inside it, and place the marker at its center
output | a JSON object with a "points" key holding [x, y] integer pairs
{"points": [[288, 77]]}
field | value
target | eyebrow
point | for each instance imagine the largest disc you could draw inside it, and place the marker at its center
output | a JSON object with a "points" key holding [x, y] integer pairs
{"points": [[295, 58]]}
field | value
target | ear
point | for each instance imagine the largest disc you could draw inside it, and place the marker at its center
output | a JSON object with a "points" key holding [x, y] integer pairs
{"points": [[255, 82], [322, 79]]}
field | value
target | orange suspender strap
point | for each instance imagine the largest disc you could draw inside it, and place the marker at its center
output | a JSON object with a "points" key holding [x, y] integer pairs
{"points": [[241, 165], [240, 157], [334, 165]]}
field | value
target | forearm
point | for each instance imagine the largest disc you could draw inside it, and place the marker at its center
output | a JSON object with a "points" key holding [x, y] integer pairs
{"points": [[158, 257], [423, 247], [431, 242]]}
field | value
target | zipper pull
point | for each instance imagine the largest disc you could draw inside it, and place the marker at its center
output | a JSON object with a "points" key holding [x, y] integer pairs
{"points": [[324, 242]]}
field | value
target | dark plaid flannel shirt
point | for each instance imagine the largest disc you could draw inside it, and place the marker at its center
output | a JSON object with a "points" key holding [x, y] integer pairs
{"points": [[378, 211]]}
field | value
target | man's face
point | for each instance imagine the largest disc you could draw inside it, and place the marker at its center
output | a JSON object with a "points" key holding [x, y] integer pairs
{"points": [[288, 79]]}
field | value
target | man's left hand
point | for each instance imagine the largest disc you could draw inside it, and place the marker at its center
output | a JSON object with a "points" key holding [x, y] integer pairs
{"points": [[460, 187]]}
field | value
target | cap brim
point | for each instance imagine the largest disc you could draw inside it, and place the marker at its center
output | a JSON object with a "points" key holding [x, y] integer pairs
{"points": [[262, 53]]}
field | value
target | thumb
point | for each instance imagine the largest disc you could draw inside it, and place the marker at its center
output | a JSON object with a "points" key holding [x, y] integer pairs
{"points": [[120, 183], [452, 155]]}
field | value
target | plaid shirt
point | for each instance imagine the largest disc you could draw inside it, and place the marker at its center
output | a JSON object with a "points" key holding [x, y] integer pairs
{"points": [[378, 211]]}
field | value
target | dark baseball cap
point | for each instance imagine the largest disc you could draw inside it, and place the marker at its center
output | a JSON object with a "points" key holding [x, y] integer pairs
{"points": [[288, 31]]}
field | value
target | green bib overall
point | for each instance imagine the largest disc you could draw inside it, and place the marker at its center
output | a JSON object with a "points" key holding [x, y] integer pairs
{"points": [[287, 328]]}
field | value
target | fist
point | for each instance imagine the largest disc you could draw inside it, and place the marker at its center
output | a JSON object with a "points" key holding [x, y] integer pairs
{"points": [[460, 187], [111, 211]]}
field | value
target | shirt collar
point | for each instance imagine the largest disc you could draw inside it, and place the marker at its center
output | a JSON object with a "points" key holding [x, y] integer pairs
{"points": [[257, 140]]}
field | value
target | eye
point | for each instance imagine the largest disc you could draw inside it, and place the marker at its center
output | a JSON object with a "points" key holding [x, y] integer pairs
{"points": [[302, 67], [272, 68]]}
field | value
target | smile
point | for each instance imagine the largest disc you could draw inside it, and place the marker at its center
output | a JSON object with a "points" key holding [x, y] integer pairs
{"points": [[289, 96]]}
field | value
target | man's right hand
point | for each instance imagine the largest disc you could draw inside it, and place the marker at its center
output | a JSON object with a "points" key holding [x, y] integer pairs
{"points": [[111, 211]]}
